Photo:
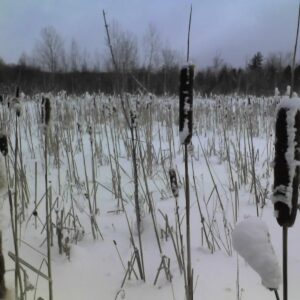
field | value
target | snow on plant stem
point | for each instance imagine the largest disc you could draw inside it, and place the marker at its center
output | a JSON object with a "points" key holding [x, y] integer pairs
{"points": [[251, 239]]}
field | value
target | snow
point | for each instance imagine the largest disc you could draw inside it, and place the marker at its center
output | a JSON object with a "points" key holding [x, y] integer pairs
{"points": [[184, 133], [95, 270], [251, 239]]}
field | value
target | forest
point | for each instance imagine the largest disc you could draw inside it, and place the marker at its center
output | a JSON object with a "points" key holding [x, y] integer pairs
{"points": [[53, 67]]}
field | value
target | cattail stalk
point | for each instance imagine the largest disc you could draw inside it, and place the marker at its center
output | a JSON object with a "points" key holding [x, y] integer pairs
{"points": [[2, 271], [93, 170], [46, 110], [35, 194], [15, 217], [185, 132], [136, 189]]}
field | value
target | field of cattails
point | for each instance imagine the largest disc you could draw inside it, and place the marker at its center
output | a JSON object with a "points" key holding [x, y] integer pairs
{"points": [[93, 199]]}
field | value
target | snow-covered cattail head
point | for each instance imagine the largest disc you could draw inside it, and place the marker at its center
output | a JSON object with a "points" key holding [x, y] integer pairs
{"points": [[251, 239], [46, 110], [3, 144], [286, 162], [173, 181], [186, 104]]}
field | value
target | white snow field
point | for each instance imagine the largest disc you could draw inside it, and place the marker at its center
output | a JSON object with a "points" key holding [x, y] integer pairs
{"points": [[92, 190]]}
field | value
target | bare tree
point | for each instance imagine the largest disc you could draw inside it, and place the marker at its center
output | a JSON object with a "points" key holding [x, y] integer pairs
{"points": [[275, 60], [151, 42], [218, 62], [64, 63], [24, 60], [85, 61], [170, 63], [97, 62], [49, 49], [75, 59], [170, 58], [125, 49]]}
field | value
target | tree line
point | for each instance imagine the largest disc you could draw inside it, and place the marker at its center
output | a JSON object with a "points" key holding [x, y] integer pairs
{"points": [[50, 67]]}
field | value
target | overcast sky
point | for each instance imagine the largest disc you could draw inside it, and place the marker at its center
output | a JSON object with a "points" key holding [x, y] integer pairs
{"points": [[233, 29]]}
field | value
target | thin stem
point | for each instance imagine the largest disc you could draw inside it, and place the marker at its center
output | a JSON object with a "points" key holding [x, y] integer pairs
{"points": [[48, 218], [276, 295], [189, 31], [189, 288], [109, 42], [294, 55], [285, 261]]}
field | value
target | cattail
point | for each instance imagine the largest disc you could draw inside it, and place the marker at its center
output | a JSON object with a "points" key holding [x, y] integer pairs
{"points": [[4, 151], [16, 102], [3, 144], [46, 111], [286, 162], [186, 104], [79, 127], [90, 130], [17, 106], [133, 118], [173, 181], [17, 92]]}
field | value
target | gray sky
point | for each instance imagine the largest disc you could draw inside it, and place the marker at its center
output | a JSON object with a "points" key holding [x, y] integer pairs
{"points": [[234, 29]]}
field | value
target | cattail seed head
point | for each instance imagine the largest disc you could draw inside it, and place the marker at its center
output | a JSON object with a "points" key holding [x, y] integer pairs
{"points": [[78, 127], [90, 130], [286, 162], [15, 104], [133, 118], [3, 144], [3, 175], [17, 92], [173, 181], [46, 111], [186, 104]]}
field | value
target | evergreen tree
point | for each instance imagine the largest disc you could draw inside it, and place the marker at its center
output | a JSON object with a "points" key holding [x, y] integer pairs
{"points": [[256, 62]]}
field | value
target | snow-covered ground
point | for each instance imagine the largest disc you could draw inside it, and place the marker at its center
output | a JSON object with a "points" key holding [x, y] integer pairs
{"points": [[233, 142]]}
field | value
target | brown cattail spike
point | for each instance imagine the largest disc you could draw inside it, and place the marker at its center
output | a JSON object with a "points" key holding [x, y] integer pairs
{"points": [[17, 106], [186, 104], [285, 187], [17, 92], [3, 144], [173, 181], [46, 110]]}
